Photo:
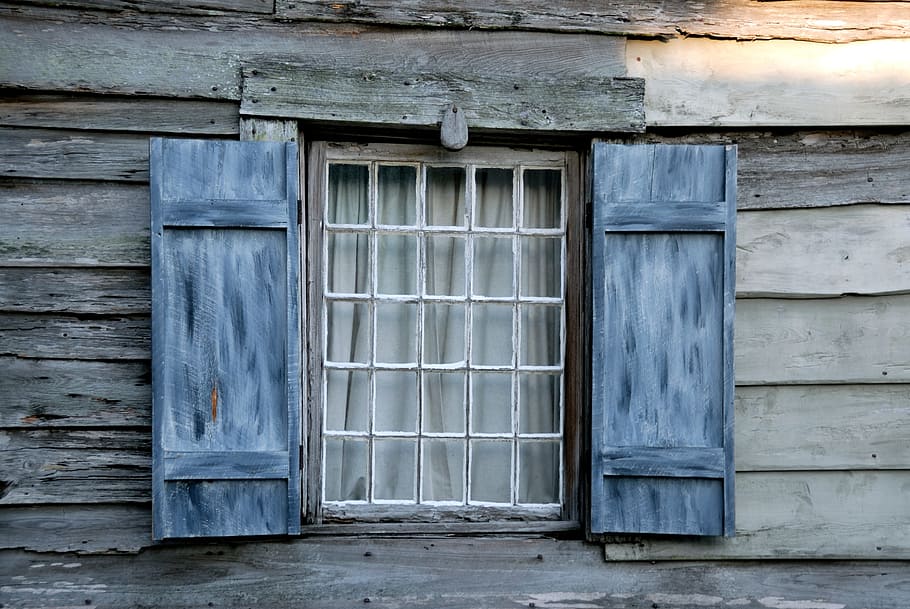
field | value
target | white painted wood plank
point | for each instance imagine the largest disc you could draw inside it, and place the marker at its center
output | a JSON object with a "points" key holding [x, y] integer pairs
{"points": [[704, 82]]}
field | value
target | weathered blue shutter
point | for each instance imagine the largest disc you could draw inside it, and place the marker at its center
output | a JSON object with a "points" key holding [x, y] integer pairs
{"points": [[225, 338], [663, 282]]}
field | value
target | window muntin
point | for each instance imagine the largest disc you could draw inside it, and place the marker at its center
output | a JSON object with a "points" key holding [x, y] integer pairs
{"points": [[443, 333]]}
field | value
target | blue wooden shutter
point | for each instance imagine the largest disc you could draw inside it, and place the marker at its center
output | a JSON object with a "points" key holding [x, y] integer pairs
{"points": [[225, 338], [662, 372]]}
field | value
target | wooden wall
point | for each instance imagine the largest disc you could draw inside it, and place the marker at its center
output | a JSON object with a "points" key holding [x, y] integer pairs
{"points": [[823, 269]]}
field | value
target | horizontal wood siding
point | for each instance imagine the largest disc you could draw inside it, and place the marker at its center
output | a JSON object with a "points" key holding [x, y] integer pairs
{"points": [[166, 6]]}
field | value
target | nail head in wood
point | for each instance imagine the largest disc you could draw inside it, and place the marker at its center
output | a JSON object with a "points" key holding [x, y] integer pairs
{"points": [[453, 135]]}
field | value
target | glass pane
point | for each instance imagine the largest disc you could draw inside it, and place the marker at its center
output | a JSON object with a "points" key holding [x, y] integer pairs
{"points": [[348, 332], [396, 401], [541, 267], [445, 266], [397, 264], [443, 470], [347, 400], [443, 402], [445, 196], [491, 402], [491, 335], [397, 198], [345, 470], [395, 470], [494, 198], [538, 399], [348, 201], [491, 471], [538, 472], [443, 333], [347, 263], [396, 342], [493, 264], [542, 198], [540, 335]]}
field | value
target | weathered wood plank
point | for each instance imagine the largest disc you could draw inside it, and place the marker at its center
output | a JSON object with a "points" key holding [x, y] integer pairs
{"points": [[265, 130], [833, 427], [431, 572], [420, 98], [66, 393], [858, 249], [166, 6], [119, 114], [73, 223], [842, 340], [772, 83], [47, 153], [83, 529], [97, 291], [75, 466], [740, 19], [800, 515], [201, 58], [70, 337]]}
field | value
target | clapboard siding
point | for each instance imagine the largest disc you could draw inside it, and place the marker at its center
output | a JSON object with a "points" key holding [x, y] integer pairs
{"points": [[120, 114], [60, 224], [166, 6], [71, 393], [73, 337], [106, 291]]}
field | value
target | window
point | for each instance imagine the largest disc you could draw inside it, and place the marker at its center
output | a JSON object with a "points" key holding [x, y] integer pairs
{"points": [[441, 314]]}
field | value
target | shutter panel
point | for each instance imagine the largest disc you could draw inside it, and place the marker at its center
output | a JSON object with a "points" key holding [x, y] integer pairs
{"points": [[662, 372], [226, 338]]}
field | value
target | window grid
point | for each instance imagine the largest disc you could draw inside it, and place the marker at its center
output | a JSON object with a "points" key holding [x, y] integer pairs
{"points": [[422, 231]]}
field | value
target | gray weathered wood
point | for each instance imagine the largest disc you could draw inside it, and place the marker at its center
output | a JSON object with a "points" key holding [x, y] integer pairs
{"points": [[79, 155], [58, 224], [166, 6], [201, 58], [95, 291], [90, 529], [72, 337], [264, 130], [417, 97], [66, 393], [808, 20], [226, 345], [119, 114], [834, 427], [842, 340]]}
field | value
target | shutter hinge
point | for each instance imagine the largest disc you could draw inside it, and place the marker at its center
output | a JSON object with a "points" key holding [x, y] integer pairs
{"points": [[299, 211], [300, 462]]}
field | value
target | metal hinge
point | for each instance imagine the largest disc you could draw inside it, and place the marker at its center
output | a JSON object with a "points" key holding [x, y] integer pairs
{"points": [[300, 462], [299, 211]]}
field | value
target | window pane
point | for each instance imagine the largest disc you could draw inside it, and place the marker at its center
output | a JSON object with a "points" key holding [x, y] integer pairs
{"points": [[445, 266], [443, 470], [397, 327], [538, 472], [347, 400], [539, 403], [491, 471], [347, 263], [445, 196], [540, 335], [541, 267], [493, 265], [396, 401], [348, 332], [443, 333], [542, 199], [494, 198], [348, 200], [491, 335], [491, 402], [345, 470], [397, 199], [397, 264], [443, 402], [395, 471]]}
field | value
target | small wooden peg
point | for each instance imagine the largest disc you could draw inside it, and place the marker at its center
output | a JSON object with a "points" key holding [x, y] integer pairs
{"points": [[453, 134]]}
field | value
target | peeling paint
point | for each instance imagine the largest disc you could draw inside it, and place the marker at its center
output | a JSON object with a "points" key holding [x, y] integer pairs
{"points": [[687, 600], [567, 600], [739, 602], [775, 602]]}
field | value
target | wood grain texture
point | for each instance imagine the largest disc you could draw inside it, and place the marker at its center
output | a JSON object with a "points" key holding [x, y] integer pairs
{"points": [[68, 393], [403, 97], [855, 249], [166, 6], [265, 130], [83, 529], [702, 82], [739, 19], [61, 224], [96, 113], [72, 337], [95, 291], [50, 153], [136, 54], [843, 340]]}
